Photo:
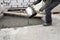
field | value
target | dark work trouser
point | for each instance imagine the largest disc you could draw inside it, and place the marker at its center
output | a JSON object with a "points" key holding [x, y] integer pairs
{"points": [[48, 9]]}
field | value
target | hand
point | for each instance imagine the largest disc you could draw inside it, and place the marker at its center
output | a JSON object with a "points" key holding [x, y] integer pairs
{"points": [[31, 4], [41, 10]]}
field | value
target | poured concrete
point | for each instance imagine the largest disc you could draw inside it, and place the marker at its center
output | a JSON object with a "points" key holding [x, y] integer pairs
{"points": [[15, 21]]}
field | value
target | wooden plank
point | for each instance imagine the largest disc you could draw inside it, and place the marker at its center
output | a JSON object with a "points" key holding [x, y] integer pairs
{"points": [[22, 14], [55, 12]]}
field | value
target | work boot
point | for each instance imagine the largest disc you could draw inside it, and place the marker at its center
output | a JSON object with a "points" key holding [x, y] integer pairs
{"points": [[47, 24]]}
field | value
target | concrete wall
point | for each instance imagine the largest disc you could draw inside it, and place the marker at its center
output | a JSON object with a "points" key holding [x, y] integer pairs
{"points": [[17, 3]]}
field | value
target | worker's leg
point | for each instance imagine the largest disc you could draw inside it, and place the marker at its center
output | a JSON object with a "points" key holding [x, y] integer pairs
{"points": [[48, 12]]}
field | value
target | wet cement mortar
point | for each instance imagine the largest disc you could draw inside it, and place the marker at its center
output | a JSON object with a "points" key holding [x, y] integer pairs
{"points": [[18, 21]]}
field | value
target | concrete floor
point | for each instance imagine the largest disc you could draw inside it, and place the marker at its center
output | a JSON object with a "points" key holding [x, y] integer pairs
{"points": [[16, 21], [35, 32]]}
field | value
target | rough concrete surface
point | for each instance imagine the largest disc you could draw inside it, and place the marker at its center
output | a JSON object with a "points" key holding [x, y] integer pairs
{"points": [[16, 21], [34, 32]]}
